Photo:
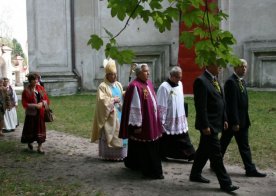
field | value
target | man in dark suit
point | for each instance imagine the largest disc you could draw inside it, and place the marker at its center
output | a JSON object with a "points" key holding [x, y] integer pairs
{"points": [[237, 111], [210, 120]]}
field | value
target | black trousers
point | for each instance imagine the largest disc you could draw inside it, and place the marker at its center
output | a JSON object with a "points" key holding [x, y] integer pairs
{"points": [[144, 156], [241, 137], [209, 148]]}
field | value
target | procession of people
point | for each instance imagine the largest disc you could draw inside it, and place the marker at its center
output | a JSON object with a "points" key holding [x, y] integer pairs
{"points": [[142, 128], [155, 125]]}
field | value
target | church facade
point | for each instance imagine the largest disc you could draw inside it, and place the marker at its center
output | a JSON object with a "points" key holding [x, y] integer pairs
{"points": [[58, 32]]}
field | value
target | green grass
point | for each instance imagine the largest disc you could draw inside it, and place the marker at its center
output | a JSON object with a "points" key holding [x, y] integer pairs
{"points": [[74, 115], [262, 135], [14, 183], [15, 176]]}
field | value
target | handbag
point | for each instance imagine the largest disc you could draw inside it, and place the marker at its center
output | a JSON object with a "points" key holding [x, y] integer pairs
{"points": [[48, 114]]}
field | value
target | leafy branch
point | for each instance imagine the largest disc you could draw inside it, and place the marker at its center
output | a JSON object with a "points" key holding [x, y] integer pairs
{"points": [[127, 22], [202, 19]]}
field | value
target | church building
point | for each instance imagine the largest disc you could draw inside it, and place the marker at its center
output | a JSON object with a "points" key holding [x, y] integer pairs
{"points": [[58, 32]]}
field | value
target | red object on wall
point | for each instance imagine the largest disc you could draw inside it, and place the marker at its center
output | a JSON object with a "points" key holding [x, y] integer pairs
{"points": [[190, 70], [186, 60]]}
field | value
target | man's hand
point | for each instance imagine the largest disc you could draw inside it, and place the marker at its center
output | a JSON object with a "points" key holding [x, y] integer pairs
{"points": [[206, 131], [117, 100], [225, 125]]}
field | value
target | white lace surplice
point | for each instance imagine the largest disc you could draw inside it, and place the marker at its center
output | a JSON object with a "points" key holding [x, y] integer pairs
{"points": [[135, 115], [171, 106]]}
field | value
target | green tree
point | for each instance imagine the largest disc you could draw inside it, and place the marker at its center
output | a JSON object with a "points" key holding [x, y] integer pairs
{"points": [[212, 44], [17, 49]]}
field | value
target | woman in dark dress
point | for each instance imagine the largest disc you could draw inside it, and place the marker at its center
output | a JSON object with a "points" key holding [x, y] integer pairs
{"points": [[34, 99]]}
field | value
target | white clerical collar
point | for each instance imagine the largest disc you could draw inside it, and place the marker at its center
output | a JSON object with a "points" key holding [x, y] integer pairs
{"points": [[240, 78]]}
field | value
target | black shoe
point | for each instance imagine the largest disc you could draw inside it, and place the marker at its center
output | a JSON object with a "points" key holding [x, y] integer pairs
{"points": [[30, 146], [39, 150], [164, 159], [191, 157], [255, 174], [153, 177], [160, 177], [229, 188], [199, 179]]}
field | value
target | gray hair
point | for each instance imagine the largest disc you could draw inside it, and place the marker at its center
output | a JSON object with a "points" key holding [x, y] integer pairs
{"points": [[175, 70], [139, 67], [243, 62]]}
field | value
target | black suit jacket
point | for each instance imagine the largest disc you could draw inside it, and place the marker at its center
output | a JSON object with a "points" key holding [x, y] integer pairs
{"points": [[236, 103], [209, 104]]}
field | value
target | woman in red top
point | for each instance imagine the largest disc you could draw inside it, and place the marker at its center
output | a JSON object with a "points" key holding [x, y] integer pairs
{"points": [[34, 98]]}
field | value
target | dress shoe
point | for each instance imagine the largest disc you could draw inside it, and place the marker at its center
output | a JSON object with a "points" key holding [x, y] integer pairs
{"points": [[164, 159], [30, 146], [191, 157], [153, 177], [40, 151], [159, 177], [255, 174], [229, 188], [199, 179]]}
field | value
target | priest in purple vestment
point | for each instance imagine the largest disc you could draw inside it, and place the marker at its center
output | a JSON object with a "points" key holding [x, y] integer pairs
{"points": [[141, 124]]}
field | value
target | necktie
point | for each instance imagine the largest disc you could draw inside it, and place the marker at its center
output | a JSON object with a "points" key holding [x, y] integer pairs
{"points": [[216, 85], [241, 84]]}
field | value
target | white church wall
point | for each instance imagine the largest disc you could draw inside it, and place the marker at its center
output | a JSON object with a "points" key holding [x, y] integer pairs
{"points": [[252, 22]]}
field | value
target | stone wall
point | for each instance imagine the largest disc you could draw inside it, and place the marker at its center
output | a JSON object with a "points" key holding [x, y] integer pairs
{"points": [[252, 22], [49, 44], [58, 32]]}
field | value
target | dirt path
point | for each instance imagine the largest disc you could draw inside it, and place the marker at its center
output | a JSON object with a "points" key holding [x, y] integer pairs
{"points": [[74, 159]]}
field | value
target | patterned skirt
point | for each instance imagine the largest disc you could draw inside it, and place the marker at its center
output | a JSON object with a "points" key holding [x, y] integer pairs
{"points": [[34, 129], [111, 153]]}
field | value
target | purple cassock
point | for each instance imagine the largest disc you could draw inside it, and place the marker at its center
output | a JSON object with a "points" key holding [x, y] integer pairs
{"points": [[140, 111]]}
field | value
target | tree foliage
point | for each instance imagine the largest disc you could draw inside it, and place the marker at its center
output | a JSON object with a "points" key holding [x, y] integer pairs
{"points": [[17, 49], [212, 45]]}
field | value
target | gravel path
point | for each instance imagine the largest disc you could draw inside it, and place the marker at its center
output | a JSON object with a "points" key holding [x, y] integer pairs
{"points": [[74, 160]]}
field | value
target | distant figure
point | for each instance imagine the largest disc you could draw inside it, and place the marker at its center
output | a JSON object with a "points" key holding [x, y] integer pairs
{"points": [[10, 117], [175, 142], [141, 125], [210, 120], [34, 99], [238, 118], [4, 104], [108, 116]]}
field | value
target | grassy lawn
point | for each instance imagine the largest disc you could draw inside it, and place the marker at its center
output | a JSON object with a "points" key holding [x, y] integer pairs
{"points": [[262, 135], [74, 115]]}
